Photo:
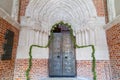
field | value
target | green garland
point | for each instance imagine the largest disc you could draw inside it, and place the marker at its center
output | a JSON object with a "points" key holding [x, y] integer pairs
{"points": [[74, 41]]}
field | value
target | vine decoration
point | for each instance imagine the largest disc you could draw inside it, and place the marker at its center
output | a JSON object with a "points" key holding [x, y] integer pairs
{"points": [[76, 46]]}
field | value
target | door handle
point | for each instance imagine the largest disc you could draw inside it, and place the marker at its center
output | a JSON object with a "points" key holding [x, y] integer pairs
{"points": [[58, 56], [66, 57]]}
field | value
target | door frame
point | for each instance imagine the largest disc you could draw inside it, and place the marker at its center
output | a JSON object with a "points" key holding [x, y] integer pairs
{"points": [[74, 56]]}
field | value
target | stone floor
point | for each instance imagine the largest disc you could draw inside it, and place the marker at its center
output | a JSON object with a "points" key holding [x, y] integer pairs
{"points": [[77, 78]]}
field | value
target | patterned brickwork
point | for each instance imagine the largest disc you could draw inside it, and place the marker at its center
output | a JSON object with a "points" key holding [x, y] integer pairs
{"points": [[22, 8], [113, 38], [40, 69], [99, 4], [23, 5], [7, 66], [102, 68]]}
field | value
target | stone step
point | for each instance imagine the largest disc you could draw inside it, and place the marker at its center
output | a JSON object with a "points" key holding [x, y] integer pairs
{"points": [[78, 78]]}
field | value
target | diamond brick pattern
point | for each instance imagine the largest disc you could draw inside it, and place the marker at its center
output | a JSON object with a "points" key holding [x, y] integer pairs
{"points": [[39, 69], [102, 68], [7, 66], [113, 39]]}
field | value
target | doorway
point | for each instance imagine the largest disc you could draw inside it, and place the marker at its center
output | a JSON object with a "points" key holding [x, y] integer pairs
{"points": [[62, 60]]}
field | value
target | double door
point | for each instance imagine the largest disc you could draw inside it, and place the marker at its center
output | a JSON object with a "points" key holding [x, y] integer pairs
{"points": [[62, 56]]}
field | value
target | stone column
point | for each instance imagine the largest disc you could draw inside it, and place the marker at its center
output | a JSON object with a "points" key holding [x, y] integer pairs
{"points": [[15, 10], [111, 9]]}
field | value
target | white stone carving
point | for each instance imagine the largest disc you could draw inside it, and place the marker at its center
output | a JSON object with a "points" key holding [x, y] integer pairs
{"points": [[80, 14], [15, 10], [111, 9], [75, 12]]}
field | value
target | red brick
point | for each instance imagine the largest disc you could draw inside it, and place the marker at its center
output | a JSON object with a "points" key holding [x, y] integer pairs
{"points": [[99, 4], [40, 69], [7, 66], [22, 8], [113, 40]]}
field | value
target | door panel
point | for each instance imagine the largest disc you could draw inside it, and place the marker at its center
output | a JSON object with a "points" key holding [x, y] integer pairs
{"points": [[68, 55], [62, 56], [55, 63]]}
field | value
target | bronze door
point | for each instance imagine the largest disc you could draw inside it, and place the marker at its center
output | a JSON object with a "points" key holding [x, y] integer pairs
{"points": [[55, 59], [68, 54], [62, 56]]}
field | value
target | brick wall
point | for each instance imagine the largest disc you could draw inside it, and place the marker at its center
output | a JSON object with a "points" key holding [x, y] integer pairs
{"points": [[23, 5], [39, 69], [22, 8], [113, 38], [106, 11], [99, 4], [7, 66]]}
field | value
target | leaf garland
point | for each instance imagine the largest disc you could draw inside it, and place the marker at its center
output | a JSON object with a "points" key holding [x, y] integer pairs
{"points": [[74, 41]]}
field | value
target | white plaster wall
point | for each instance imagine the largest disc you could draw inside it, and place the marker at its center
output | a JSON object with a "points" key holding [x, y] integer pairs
{"points": [[111, 9], [15, 9], [117, 7], [101, 49], [8, 18], [112, 23], [6, 5], [28, 38], [81, 54], [40, 53]]}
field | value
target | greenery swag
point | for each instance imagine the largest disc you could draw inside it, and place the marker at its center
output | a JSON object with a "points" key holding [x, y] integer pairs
{"points": [[74, 41]]}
